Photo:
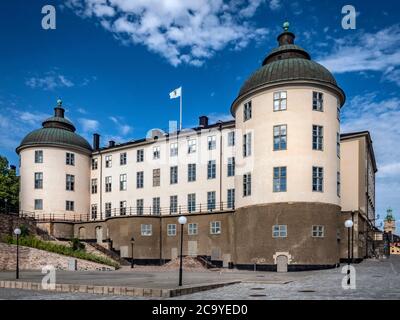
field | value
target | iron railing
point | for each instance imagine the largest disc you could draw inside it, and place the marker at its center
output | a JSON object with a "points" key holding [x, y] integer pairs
{"points": [[130, 211]]}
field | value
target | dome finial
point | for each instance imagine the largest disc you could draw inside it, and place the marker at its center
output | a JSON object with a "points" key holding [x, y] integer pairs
{"points": [[59, 102], [286, 26]]}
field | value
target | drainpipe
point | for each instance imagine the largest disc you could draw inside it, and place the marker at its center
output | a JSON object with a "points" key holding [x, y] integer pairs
{"points": [[220, 165], [352, 236], [101, 185]]}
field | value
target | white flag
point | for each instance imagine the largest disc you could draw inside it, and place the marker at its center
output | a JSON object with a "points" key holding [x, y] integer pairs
{"points": [[176, 93]]}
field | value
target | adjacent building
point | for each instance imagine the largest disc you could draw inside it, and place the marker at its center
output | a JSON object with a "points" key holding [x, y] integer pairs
{"points": [[273, 186]]}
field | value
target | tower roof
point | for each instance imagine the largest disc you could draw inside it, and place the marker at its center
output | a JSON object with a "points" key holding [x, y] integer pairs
{"points": [[56, 131], [288, 63]]}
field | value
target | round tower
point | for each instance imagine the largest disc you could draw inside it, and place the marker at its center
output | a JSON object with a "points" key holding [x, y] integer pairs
{"points": [[55, 168], [288, 169]]}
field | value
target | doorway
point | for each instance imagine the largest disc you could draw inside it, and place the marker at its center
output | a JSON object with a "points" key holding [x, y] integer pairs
{"points": [[281, 263]]}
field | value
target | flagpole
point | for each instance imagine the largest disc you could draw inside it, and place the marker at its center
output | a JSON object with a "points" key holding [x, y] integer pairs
{"points": [[180, 111]]}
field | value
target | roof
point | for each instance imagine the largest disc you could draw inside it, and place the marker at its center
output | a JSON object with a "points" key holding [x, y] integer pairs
{"points": [[288, 64], [56, 131]]}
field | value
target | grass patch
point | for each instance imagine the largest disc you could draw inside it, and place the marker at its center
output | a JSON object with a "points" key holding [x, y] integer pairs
{"points": [[32, 242]]}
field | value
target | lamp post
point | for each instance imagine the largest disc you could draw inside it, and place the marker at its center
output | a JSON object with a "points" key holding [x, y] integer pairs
{"points": [[348, 224], [17, 232], [132, 242], [182, 220]]}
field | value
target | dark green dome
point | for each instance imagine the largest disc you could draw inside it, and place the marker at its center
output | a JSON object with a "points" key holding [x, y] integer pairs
{"points": [[288, 62], [286, 70], [56, 131]]}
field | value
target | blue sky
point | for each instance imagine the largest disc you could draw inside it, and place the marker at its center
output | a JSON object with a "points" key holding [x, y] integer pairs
{"points": [[113, 63]]}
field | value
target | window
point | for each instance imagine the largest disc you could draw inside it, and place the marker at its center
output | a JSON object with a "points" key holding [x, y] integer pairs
{"points": [[318, 231], [215, 227], [171, 230], [94, 211], [317, 137], [122, 182], [70, 182], [191, 202], [140, 155], [122, 208], [318, 101], [338, 144], [246, 184], [38, 156], [38, 204], [279, 231], [108, 184], [338, 184], [139, 207], [146, 230], [139, 179], [317, 179], [338, 111], [280, 101], [231, 166], [211, 200], [211, 142], [191, 172], [94, 186], [211, 169], [69, 205], [108, 161], [193, 229], [70, 159], [156, 205], [122, 158], [280, 137], [173, 149], [108, 209], [156, 177], [231, 198], [94, 163], [38, 180], [247, 144], [247, 111], [173, 204], [156, 152], [173, 174], [279, 179], [231, 138], [192, 146]]}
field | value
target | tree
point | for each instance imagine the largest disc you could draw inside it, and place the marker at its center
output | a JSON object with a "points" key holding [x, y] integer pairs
{"points": [[9, 186]]}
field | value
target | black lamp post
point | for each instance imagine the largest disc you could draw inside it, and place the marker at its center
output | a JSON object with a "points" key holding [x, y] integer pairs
{"points": [[182, 220], [348, 224], [132, 242], [17, 232]]}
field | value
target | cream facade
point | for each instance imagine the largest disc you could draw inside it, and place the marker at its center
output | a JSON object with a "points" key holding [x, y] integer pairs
{"points": [[273, 186]]}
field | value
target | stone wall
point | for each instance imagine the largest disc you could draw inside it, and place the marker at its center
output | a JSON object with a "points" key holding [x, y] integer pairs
{"points": [[35, 259], [8, 222]]}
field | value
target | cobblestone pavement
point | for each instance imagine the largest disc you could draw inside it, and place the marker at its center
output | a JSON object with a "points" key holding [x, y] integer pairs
{"points": [[374, 280]]}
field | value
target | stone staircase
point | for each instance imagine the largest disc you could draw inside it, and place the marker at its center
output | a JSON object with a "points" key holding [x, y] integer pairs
{"points": [[206, 262], [109, 253]]}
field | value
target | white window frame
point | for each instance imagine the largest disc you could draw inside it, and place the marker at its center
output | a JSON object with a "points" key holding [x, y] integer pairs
{"points": [[38, 156], [156, 152], [318, 231], [123, 181], [192, 146], [279, 231], [212, 142], [37, 201], [193, 229], [108, 161], [173, 149], [247, 144], [280, 101], [247, 111], [231, 138], [146, 230], [215, 227], [171, 230]]}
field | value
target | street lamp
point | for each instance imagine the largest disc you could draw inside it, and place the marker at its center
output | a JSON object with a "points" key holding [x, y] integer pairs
{"points": [[17, 232], [348, 224], [132, 242], [182, 220]]}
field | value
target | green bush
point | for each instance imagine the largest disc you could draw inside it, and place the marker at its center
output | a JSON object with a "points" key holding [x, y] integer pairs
{"points": [[33, 242], [24, 230], [76, 244]]}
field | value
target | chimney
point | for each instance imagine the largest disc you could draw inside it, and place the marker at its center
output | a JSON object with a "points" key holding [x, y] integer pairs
{"points": [[203, 121], [111, 143], [96, 141], [59, 112]]}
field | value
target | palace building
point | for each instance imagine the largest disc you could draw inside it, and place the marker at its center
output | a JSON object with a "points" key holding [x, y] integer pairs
{"points": [[273, 186]]}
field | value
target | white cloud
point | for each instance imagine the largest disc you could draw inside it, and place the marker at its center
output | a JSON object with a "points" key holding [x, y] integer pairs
{"points": [[275, 5], [215, 117], [81, 110], [122, 128], [183, 32], [49, 81], [378, 52], [88, 124]]}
